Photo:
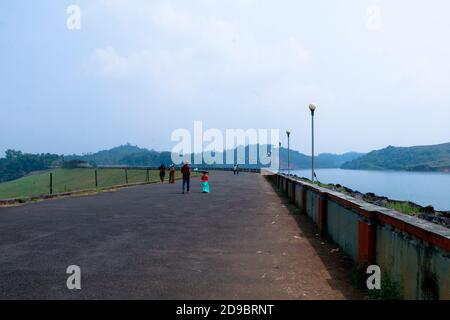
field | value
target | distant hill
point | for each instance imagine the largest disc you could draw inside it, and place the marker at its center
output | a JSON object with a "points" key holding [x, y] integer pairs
{"points": [[420, 158], [324, 160], [134, 156], [114, 156]]}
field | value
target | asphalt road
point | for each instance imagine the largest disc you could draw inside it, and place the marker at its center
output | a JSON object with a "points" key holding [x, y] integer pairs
{"points": [[152, 242]]}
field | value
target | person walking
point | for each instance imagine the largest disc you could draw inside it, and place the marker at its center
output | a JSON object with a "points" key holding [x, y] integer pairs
{"points": [[172, 174], [162, 173], [186, 172], [235, 169]]}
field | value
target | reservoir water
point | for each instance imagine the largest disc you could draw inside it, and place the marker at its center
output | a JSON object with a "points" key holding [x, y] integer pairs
{"points": [[423, 188]]}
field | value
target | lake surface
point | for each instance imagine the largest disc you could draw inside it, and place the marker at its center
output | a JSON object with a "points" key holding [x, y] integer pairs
{"points": [[423, 188]]}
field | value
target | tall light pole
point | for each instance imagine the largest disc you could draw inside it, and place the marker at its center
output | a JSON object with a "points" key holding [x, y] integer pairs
{"points": [[312, 107], [288, 133], [279, 157]]}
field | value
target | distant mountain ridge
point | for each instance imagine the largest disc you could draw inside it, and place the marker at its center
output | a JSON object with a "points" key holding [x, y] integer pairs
{"points": [[128, 155], [337, 160], [322, 161], [418, 158], [112, 156]]}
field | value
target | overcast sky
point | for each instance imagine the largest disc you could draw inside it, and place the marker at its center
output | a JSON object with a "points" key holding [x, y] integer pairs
{"points": [[137, 70]]}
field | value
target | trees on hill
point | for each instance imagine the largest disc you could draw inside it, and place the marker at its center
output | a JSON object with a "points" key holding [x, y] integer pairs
{"points": [[17, 164], [420, 158]]}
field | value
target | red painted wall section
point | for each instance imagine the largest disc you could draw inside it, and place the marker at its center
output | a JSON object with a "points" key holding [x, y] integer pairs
{"points": [[366, 242]]}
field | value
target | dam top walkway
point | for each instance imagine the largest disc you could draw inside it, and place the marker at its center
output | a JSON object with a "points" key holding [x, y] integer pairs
{"points": [[242, 241]]}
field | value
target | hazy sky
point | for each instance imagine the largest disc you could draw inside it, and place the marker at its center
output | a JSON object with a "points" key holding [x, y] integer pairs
{"points": [[139, 69]]}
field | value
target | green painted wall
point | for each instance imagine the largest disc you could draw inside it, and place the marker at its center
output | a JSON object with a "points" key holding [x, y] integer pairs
{"points": [[298, 195], [422, 271], [312, 200], [342, 226]]}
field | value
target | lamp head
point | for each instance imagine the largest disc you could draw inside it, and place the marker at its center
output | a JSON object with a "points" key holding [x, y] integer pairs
{"points": [[312, 107], [288, 132]]}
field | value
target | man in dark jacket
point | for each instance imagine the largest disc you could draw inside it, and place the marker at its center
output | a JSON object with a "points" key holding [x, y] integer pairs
{"points": [[162, 173], [186, 171]]}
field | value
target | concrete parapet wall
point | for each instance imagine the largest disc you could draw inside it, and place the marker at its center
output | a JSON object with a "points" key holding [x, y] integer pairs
{"points": [[410, 251]]}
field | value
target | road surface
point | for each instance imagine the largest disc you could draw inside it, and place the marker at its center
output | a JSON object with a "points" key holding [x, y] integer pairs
{"points": [[242, 241]]}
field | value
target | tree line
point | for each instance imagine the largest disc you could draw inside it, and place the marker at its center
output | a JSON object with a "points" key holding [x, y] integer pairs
{"points": [[17, 164]]}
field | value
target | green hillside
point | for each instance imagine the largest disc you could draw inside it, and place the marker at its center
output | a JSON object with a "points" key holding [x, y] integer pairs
{"points": [[17, 164], [112, 156], [67, 180], [420, 158]]}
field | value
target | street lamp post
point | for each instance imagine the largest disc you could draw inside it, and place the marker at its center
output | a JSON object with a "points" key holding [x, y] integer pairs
{"points": [[279, 157], [312, 107], [288, 133]]}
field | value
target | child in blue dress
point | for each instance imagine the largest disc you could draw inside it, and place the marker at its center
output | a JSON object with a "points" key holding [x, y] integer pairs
{"points": [[205, 182]]}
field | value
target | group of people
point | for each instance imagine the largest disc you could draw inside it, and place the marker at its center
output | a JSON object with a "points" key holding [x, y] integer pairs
{"points": [[186, 174], [162, 173]]}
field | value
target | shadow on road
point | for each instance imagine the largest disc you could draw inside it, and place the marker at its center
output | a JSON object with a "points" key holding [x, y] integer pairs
{"points": [[338, 265]]}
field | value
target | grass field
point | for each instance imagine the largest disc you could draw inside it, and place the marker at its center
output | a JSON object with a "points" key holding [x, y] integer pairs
{"points": [[69, 180]]}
